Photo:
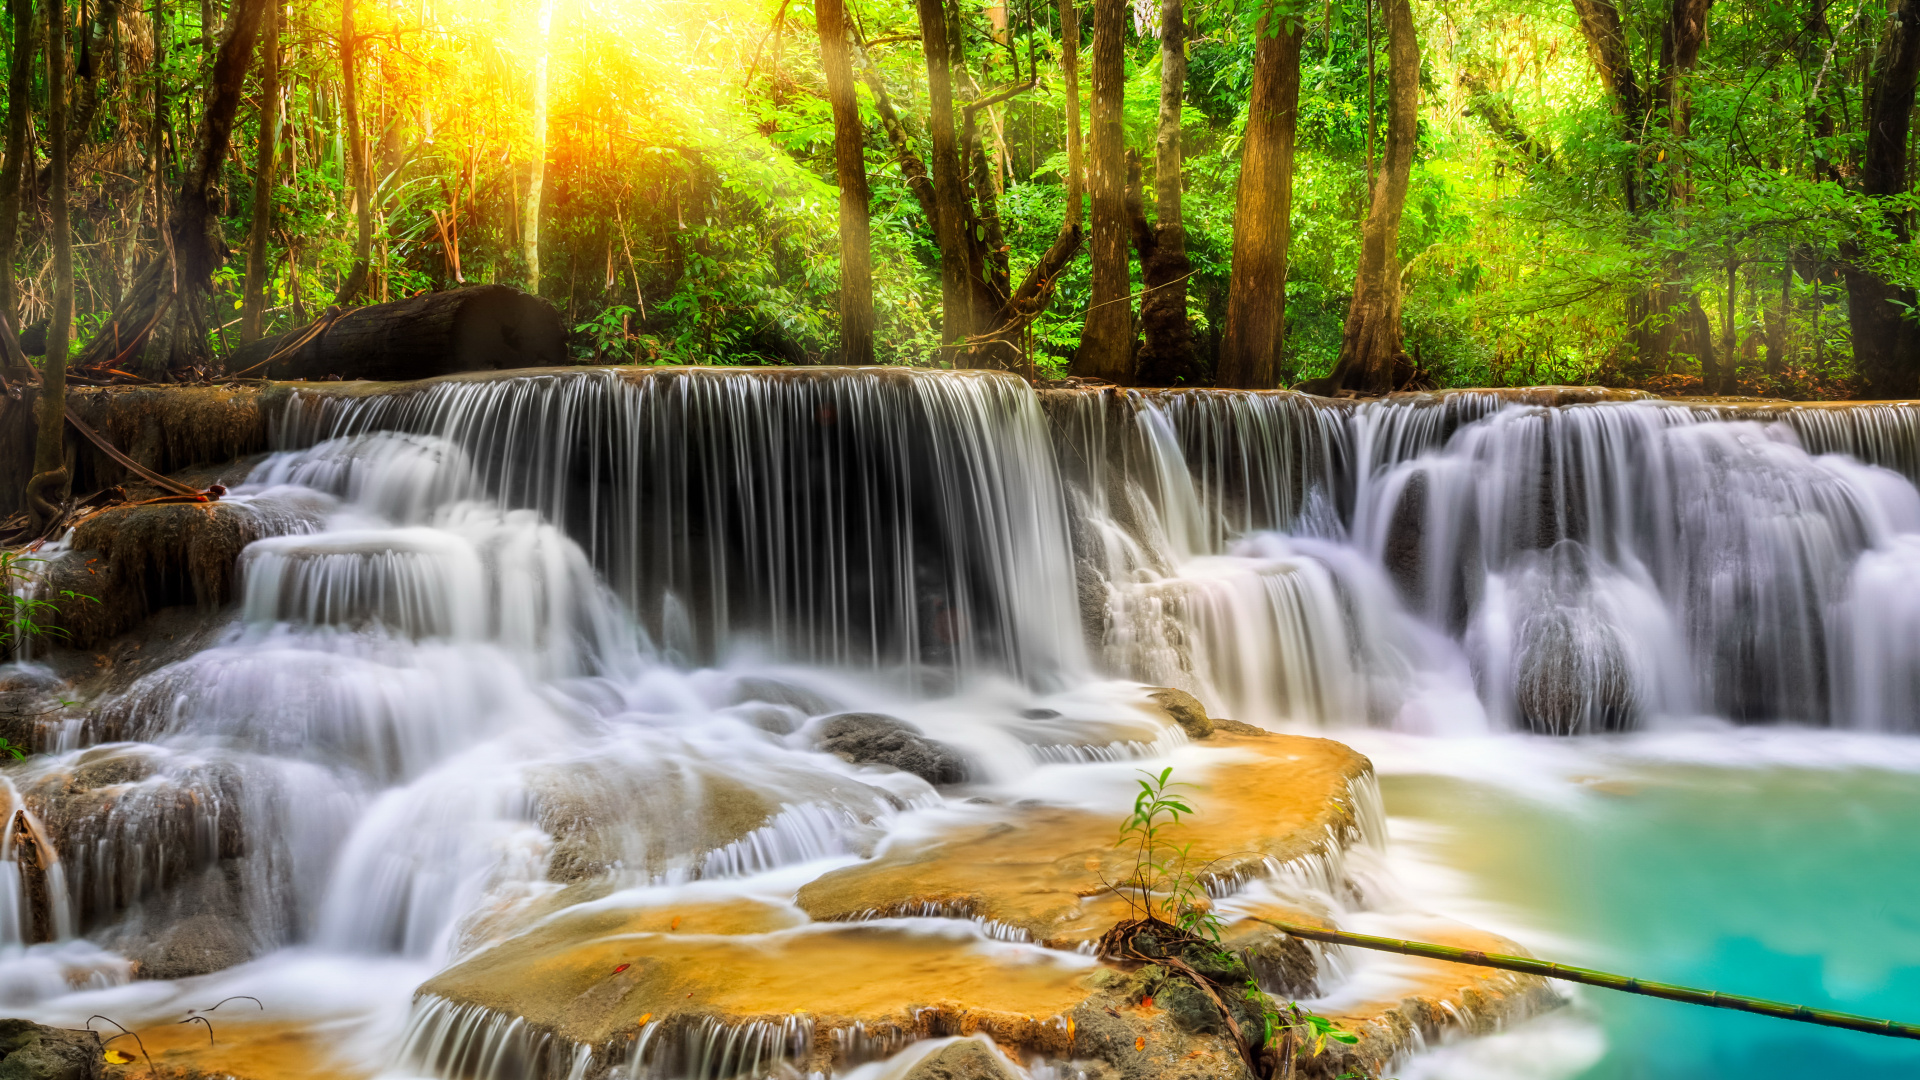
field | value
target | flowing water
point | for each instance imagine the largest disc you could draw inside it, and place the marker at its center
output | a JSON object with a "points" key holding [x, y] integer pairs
{"points": [[518, 634]]}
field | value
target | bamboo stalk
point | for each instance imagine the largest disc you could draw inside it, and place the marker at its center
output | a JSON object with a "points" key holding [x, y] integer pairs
{"points": [[1588, 976]]}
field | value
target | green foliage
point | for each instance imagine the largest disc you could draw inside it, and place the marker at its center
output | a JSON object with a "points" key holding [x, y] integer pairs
{"points": [[23, 615]]}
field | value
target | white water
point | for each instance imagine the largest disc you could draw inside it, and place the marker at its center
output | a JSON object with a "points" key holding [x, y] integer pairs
{"points": [[536, 631]]}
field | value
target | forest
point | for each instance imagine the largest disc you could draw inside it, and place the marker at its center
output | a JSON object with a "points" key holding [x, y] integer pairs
{"points": [[1345, 196]]}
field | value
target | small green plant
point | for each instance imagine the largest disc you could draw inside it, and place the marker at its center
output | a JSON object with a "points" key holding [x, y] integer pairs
{"points": [[1177, 925], [9, 747], [24, 616]]}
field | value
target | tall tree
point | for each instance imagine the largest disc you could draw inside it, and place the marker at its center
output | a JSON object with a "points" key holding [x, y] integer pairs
{"points": [[361, 169], [48, 487], [166, 309], [13, 171], [537, 157], [1370, 343], [850, 169], [1250, 350], [949, 194], [1106, 344], [266, 152], [1167, 354], [1070, 71], [1886, 349]]}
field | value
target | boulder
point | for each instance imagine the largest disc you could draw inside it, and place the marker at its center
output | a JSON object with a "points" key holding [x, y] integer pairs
{"points": [[1183, 709], [29, 1051], [875, 739], [477, 328], [968, 1059]]}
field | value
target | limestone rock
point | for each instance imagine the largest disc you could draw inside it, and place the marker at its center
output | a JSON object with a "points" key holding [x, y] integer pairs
{"points": [[196, 945], [876, 739], [967, 1059], [1183, 709], [1043, 871], [29, 1051]]}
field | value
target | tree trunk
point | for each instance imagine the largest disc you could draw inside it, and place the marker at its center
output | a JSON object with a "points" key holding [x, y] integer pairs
{"points": [[1370, 346], [166, 309], [537, 172], [956, 291], [1886, 350], [1256, 293], [254, 298], [355, 282], [1070, 61], [13, 171], [48, 488], [478, 328], [850, 168], [1167, 356], [1106, 344]]}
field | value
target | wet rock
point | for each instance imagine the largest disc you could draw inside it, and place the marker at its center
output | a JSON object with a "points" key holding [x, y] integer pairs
{"points": [[876, 739], [1043, 871], [29, 1051], [1574, 675], [759, 688], [196, 945], [1183, 709], [964, 1060], [1235, 727], [130, 561]]}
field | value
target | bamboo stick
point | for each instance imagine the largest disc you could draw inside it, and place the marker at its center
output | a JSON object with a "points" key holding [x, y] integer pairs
{"points": [[1623, 983]]}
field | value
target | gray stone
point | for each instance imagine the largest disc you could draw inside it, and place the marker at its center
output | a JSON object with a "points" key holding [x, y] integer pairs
{"points": [[874, 739], [963, 1060], [29, 1051], [196, 945]]}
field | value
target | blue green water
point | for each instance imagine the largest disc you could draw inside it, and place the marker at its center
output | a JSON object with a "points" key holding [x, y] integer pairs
{"points": [[1798, 884]]}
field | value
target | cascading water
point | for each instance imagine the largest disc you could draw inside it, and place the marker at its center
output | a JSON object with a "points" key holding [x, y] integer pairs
{"points": [[531, 641]]}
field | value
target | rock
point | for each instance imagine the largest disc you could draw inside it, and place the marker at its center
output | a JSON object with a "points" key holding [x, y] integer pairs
{"points": [[196, 945], [749, 689], [1235, 727], [29, 1051], [1190, 1007], [1042, 871], [875, 739], [1183, 709], [967, 1059]]}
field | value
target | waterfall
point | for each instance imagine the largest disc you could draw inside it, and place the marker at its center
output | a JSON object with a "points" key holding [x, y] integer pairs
{"points": [[533, 640]]}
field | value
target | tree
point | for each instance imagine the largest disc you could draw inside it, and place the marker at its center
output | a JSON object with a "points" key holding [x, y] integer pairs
{"points": [[537, 159], [1167, 355], [1256, 292], [13, 171], [165, 311], [956, 291], [1106, 345], [1370, 343], [850, 170], [48, 487], [358, 167], [259, 267], [1885, 347]]}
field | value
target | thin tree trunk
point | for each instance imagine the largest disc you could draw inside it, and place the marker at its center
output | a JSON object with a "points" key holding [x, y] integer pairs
{"points": [[956, 291], [1256, 293], [1106, 343], [850, 168], [254, 299], [1070, 61], [537, 174], [1370, 347], [1167, 355], [355, 282], [1885, 348], [48, 487], [13, 171]]}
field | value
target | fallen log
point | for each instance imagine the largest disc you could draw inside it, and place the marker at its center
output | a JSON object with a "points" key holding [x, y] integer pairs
{"points": [[1626, 984], [478, 328]]}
